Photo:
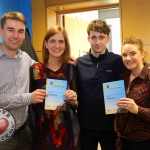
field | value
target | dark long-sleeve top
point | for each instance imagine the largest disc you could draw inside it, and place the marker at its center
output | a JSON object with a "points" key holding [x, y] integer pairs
{"points": [[136, 127], [91, 73]]}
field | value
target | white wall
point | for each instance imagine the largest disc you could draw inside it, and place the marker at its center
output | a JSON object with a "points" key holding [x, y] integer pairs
{"points": [[85, 16], [115, 35]]}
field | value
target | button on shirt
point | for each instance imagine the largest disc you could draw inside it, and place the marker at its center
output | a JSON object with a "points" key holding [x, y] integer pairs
{"points": [[14, 85]]}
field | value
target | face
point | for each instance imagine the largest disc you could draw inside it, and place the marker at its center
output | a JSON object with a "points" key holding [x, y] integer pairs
{"points": [[132, 57], [56, 45], [98, 42], [13, 34]]}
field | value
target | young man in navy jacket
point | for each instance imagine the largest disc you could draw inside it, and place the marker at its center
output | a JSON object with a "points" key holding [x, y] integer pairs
{"points": [[93, 69]]}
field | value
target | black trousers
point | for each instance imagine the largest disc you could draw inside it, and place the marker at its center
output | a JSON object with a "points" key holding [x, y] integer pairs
{"points": [[131, 145], [19, 141], [91, 138]]}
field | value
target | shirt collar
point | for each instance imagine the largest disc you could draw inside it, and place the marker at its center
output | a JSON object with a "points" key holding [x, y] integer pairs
{"points": [[143, 74], [18, 54], [144, 71]]}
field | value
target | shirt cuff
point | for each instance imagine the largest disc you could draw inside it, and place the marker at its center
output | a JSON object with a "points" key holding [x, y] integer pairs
{"points": [[26, 98]]}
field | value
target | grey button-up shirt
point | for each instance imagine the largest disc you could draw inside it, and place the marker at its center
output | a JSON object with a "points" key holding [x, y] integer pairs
{"points": [[14, 85]]}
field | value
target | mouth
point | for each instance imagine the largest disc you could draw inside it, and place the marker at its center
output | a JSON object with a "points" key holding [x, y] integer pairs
{"points": [[56, 51], [14, 41], [129, 63], [98, 47]]}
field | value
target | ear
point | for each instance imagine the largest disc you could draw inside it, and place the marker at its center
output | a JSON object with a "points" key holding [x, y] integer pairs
{"points": [[45, 43], [108, 38], [143, 55], [1, 31], [88, 39], [24, 36]]}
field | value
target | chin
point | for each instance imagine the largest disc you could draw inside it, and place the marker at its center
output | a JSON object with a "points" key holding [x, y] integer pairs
{"points": [[130, 68]]}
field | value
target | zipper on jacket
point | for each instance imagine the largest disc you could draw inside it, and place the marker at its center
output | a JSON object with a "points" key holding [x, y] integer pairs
{"points": [[97, 65]]}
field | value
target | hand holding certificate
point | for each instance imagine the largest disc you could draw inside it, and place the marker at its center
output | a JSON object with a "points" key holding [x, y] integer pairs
{"points": [[113, 91], [55, 89]]}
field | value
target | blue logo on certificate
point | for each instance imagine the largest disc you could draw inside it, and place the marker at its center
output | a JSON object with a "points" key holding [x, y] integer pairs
{"points": [[113, 91], [55, 89]]}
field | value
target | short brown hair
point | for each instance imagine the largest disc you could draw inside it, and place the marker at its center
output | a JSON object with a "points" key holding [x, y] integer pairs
{"points": [[135, 41], [52, 31], [12, 15], [98, 26]]}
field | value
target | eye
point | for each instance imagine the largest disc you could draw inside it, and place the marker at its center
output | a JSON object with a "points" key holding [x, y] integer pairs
{"points": [[124, 55], [61, 41], [52, 41], [21, 31], [101, 37], [93, 37], [10, 30], [133, 53]]}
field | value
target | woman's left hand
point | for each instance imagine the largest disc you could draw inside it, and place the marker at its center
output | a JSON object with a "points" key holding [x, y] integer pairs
{"points": [[128, 104], [71, 96]]}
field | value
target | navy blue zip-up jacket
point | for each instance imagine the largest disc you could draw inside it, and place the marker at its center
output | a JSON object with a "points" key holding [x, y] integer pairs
{"points": [[91, 73]]}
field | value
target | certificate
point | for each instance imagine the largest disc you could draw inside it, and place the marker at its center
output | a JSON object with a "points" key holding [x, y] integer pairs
{"points": [[55, 89], [113, 91]]}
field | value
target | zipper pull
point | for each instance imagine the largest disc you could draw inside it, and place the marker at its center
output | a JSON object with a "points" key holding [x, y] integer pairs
{"points": [[97, 65]]}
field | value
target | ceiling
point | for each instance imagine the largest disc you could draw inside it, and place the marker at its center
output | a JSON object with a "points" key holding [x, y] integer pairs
{"points": [[81, 6]]}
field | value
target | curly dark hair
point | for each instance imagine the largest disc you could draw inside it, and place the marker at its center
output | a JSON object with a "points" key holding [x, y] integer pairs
{"points": [[98, 26]]}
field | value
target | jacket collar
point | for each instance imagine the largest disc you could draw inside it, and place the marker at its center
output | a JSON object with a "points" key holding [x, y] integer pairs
{"points": [[101, 56]]}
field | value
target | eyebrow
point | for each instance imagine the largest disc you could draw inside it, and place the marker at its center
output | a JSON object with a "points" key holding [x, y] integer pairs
{"points": [[130, 52], [13, 29]]}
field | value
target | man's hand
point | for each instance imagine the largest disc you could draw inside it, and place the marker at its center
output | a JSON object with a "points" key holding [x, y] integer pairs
{"points": [[72, 61], [38, 96]]}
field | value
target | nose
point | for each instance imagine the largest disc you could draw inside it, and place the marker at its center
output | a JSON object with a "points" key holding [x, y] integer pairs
{"points": [[56, 44], [128, 57], [15, 34], [98, 40]]}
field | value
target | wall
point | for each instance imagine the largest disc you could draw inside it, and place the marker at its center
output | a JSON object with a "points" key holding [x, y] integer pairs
{"points": [[77, 34], [23, 6], [135, 21], [112, 18], [108, 13], [39, 25]]}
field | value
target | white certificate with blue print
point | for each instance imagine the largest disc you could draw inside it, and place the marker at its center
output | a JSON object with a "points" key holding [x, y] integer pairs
{"points": [[55, 90], [113, 91]]}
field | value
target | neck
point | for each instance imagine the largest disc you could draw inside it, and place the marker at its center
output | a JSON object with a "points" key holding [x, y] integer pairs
{"points": [[10, 53], [137, 71], [96, 54], [54, 63]]}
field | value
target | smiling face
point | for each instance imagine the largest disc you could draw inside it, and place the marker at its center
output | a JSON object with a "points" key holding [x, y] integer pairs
{"points": [[132, 57], [98, 42], [13, 34], [56, 45]]}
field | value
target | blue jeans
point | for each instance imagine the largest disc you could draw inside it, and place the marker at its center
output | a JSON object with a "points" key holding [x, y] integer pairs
{"points": [[19, 141]]}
